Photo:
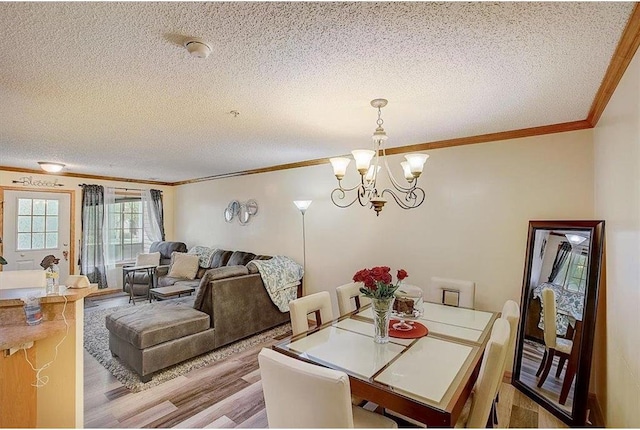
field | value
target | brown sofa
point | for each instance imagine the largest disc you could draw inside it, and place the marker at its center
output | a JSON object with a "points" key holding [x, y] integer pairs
{"points": [[231, 305]]}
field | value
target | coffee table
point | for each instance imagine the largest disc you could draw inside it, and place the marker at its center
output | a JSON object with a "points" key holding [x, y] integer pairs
{"points": [[168, 292]]}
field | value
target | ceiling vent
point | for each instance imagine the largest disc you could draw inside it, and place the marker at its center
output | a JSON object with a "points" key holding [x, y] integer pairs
{"points": [[198, 48]]}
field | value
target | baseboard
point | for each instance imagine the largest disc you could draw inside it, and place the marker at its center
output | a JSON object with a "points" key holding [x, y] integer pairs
{"points": [[105, 291], [596, 417]]}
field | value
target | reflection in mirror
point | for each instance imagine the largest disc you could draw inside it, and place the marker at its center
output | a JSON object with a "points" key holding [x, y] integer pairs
{"points": [[558, 302]]}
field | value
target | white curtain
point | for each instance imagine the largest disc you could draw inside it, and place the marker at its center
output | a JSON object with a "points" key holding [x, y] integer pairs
{"points": [[108, 228], [152, 228]]}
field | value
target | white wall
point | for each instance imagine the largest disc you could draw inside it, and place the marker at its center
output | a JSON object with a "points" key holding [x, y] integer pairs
{"points": [[71, 183], [617, 201], [473, 224]]}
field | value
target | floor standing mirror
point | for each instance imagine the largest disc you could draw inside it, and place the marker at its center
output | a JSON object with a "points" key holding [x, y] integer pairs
{"points": [[559, 302]]}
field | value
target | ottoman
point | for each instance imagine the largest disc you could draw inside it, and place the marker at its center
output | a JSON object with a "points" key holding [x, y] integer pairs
{"points": [[153, 337]]}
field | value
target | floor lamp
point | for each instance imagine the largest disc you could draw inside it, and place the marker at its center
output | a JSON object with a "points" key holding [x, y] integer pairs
{"points": [[302, 206]]}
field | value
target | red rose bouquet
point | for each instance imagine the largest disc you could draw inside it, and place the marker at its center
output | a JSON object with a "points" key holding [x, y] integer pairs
{"points": [[378, 283]]}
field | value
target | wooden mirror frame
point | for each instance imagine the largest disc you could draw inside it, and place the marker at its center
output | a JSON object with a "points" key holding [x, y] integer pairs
{"points": [[578, 417]]}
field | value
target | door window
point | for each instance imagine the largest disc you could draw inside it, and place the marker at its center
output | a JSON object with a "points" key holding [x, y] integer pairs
{"points": [[37, 224]]}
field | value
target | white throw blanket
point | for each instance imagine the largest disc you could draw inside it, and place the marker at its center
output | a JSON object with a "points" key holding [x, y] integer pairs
{"points": [[281, 277]]}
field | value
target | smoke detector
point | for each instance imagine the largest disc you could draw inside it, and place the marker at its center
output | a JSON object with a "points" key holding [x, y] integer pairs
{"points": [[197, 47]]}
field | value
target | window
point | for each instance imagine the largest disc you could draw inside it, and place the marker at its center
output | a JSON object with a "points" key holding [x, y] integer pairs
{"points": [[125, 235], [37, 224], [575, 271]]}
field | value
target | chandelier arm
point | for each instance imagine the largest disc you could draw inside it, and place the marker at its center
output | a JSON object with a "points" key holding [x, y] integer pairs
{"points": [[362, 191], [340, 194], [347, 190], [395, 183], [412, 199]]}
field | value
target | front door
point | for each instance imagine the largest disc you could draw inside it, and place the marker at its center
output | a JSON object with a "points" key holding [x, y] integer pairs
{"points": [[36, 224]]}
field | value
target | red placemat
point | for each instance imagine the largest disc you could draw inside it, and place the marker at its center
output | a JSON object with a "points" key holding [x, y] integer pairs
{"points": [[418, 330]]}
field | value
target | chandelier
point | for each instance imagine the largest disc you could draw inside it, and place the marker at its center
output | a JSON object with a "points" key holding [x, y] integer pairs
{"points": [[366, 192]]}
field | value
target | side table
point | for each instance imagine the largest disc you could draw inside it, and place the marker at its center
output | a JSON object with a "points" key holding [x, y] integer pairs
{"points": [[127, 276]]}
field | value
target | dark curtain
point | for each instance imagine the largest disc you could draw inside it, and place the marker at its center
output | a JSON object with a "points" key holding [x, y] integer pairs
{"points": [[563, 253], [92, 253], [158, 209]]}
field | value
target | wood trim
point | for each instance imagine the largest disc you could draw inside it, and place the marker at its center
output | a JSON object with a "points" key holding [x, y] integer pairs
{"points": [[85, 176], [596, 417], [627, 46], [255, 171], [483, 138], [494, 137], [72, 220]]}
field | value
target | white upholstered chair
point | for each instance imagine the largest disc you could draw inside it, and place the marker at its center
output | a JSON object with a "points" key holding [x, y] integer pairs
{"points": [[510, 312], [303, 395], [347, 292], [22, 279], [452, 292], [489, 378], [318, 304], [552, 343]]}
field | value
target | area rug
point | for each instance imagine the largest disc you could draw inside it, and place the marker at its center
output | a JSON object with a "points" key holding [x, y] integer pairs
{"points": [[96, 342]]}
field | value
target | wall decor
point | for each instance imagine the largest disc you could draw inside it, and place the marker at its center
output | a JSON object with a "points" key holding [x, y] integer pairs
{"points": [[243, 211], [28, 181]]}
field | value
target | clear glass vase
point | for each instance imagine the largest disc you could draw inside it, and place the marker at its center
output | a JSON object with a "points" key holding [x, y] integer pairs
{"points": [[381, 314]]}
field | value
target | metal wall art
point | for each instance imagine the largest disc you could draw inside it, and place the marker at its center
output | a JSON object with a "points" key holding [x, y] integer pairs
{"points": [[244, 211], [28, 181]]}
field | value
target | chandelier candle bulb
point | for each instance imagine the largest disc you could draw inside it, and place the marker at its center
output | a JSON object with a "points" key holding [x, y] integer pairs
{"points": [[363, 159], [370, 176], [416, 163], [406, 169], [340, 165]]}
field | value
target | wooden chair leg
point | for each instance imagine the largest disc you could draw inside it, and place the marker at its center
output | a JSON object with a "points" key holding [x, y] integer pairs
{"points": [[561, 362], [568, 380], [494, 413], [547, 367], [542, 363]]}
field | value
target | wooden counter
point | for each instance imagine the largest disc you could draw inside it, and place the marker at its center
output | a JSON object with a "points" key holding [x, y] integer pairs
{"points": [[59, 403]]}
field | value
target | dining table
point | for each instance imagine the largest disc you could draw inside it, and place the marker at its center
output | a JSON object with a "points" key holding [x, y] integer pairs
{"points": [[427, 379]]}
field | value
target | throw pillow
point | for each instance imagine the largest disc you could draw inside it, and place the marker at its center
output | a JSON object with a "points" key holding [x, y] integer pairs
{"points": [[151, 259], [205, 253], [183, 265], [240, 258], [220, 258]]}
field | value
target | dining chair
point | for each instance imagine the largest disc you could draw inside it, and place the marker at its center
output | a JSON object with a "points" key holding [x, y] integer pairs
{"points": [[347, 292], [22, 279], [451, 292], [318, 304], [510, 312], [553, 345], [304, 395], [490, 376]]}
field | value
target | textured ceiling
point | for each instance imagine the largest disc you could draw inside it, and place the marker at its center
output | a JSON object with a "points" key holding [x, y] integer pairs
{"points": [[108, 89]]}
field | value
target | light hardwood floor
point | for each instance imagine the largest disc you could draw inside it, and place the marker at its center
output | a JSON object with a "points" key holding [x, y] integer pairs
{"points": [[226, 394]]}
